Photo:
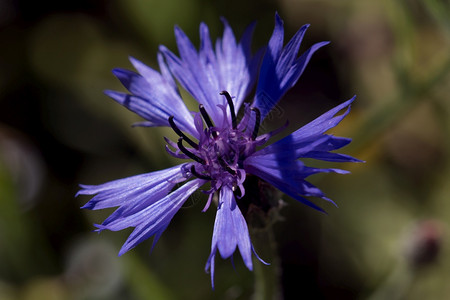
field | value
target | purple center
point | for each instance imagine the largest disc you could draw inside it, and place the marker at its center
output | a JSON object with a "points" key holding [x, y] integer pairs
{"points": [[221, 149]]}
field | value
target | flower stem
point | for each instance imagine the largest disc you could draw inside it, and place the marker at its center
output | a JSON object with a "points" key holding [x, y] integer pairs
{"points": [[261, 209], [267, 277]]}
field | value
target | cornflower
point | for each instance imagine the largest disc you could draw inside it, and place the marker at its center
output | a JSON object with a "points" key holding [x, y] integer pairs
{"points": [[221, 150]]}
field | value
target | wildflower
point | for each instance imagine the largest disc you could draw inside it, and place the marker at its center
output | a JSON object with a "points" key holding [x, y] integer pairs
{"points": [[220, 149]]}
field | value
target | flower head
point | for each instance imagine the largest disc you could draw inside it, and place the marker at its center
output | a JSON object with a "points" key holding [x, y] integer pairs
{"points": [[219, 148]]}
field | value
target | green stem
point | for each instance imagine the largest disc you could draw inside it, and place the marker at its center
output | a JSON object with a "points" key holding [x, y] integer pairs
{"points": [[267, 277], [262, 211]]}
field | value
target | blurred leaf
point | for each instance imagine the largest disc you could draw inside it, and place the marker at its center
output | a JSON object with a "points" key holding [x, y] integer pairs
{"points": [[44, 289], [393, 111], [23, 248], [440, 10], [143, 282], [154, 19], [7, 292], [14, 234]]}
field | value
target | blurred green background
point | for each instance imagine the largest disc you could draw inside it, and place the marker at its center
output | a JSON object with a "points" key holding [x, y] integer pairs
{"points": [[389, 238]]}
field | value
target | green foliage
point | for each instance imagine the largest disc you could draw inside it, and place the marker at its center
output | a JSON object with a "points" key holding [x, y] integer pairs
{"points": [[393, 54]]}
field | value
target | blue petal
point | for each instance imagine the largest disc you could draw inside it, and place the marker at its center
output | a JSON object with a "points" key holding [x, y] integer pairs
{"points": [[143, 107], [206, 52], [325, 122], [191, 75], [127, 192], [287, 176], [224, 231], [308, 171], [334, 143], [292, 150], [154, 219], [330, 156], [290, 51], [309, 140], [278, 164], [237, 68], [280, 68], [144, 201], [154, 96], [204, 74], [276, 40], [230, 231]]}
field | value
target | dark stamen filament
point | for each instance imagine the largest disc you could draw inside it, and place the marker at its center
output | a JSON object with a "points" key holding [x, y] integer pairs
{"points": [[207, 119], [226, 167], [181, 134], [186, 151], [257, 120], [205, 116], [198, 175], [230, 103]]}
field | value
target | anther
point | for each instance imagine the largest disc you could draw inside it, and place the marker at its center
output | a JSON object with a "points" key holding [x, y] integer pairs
{"points": [[257, 121], [198, 175], [231, 105], [207, 119], [181, 134], [190, 154]]}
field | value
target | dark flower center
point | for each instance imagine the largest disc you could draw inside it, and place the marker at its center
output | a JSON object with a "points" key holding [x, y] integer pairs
{"points": [[219, 154]]}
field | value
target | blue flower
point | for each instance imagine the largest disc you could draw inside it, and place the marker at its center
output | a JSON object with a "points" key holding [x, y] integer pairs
{"points": [[219, 149]]}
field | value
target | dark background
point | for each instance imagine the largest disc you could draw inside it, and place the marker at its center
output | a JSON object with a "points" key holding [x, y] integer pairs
{"points": [[387, 240]]}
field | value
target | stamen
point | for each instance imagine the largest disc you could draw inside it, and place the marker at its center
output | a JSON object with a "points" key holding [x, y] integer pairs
{"points": [[207, 119], [230, 103], [190, 154], [181, 134], [208, 202], [198, 175], [205, 116], [257, 120], [225, 166]]}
